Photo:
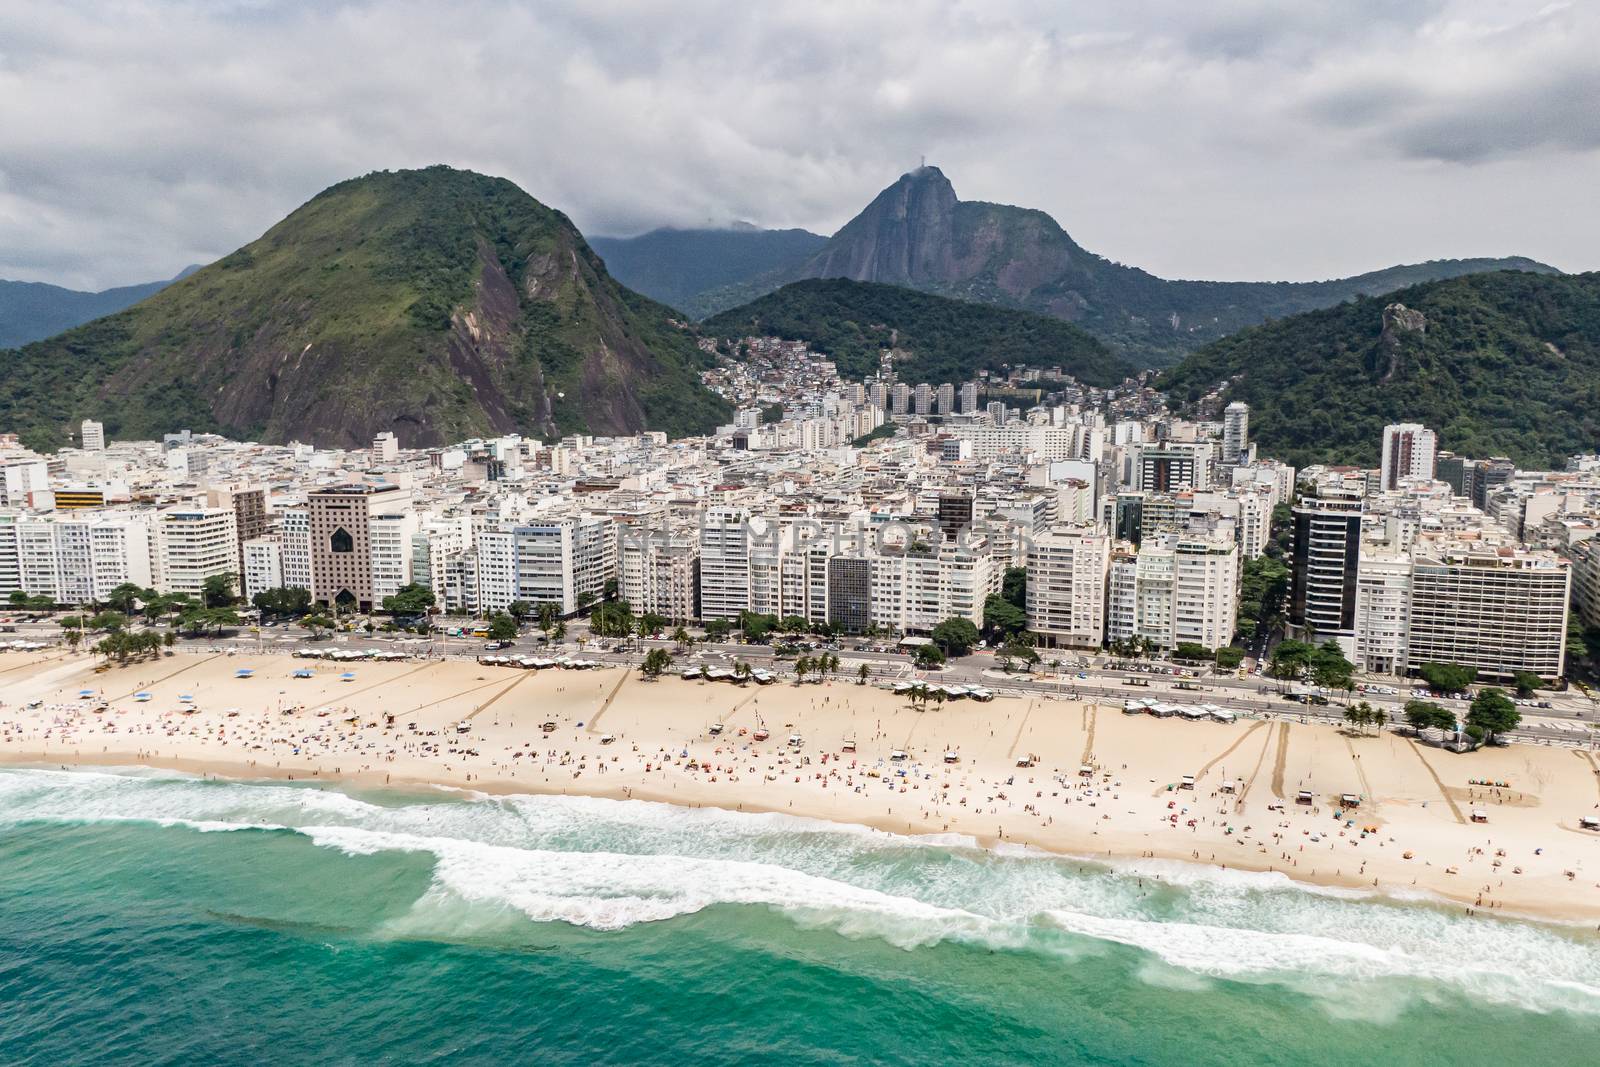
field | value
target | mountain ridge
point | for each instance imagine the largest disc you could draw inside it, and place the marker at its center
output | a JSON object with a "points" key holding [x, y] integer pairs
{"points": [[32, 311], [436, 303], [1499, 363], [918, 233], [942, 340]]}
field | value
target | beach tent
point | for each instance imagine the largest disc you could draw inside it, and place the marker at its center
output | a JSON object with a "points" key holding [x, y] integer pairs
{"points": [[186, 698], [305, 672], [244, 672]]}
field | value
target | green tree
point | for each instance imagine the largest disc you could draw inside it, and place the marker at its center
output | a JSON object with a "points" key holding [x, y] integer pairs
{"points": [[1001, 618], [756, 627], [955, 636], [1017, 651], [548, 612], [519, 610], [718, 629], [125, 597], [1527, 683], [863, 674], [794, 624], [502, 627], [1014, 587], [1447, 677], [1190, 650], [1329, 668], [1228, 657], [929, 656], [217, 590], [656, 661], [1493, 712], [1290, 660], [292, 601], [410, 599], [108, 620]]}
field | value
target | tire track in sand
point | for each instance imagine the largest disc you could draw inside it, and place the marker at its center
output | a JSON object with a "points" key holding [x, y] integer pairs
{"points": [[1225, 753], [1091, 714], [1261, 757], [1281, 761], [1454, 810]]}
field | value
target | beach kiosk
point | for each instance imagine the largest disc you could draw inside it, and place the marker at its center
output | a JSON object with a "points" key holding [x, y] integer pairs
{"points": [[1479, 815], [1589, 822], [1349, 800], [1305, 796]]}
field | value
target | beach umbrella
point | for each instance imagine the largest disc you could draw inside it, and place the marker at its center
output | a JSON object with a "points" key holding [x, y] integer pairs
{"points": [[86, 692], [187, 698], [244, 672], [141, 696], [347, 676], [303, 673]]}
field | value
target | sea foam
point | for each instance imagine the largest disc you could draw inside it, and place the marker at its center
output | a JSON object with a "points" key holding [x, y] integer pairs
{"points": [[607, 865]]}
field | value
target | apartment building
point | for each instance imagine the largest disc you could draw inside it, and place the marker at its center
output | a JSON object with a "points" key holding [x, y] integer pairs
{"points": [[340, 520], [77, 558], [193, 544], [1067, 572], [565, 561], [294, 547], [1409, 451], [1499, 608], [659, 572], [263, 565], [1205, 590], [1327, 551], [725, 578]]}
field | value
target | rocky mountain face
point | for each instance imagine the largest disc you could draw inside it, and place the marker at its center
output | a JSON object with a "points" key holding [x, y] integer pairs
{"points": [[435, 303], [918, 233]]}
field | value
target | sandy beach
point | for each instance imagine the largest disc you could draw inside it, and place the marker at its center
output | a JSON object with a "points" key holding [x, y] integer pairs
{"points": [[1103, 784]]}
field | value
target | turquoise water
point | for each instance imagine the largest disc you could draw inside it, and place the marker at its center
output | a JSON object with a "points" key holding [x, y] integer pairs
{"points": [[158, 919]]}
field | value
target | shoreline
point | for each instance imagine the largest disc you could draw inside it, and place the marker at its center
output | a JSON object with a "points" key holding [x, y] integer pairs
{"points": [[661, 752]]}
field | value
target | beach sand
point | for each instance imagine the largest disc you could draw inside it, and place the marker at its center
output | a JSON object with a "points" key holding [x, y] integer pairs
{"points": [[619, 735]]}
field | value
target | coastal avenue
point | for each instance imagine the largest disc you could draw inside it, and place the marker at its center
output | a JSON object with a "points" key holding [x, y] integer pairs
{"points": [[1076, 677]]}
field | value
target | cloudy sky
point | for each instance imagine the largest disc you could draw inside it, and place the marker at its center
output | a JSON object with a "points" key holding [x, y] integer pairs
{"points": [[1222, 139]]}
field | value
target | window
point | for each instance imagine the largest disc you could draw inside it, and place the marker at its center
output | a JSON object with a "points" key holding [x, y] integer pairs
{"points": [[341, 541]]}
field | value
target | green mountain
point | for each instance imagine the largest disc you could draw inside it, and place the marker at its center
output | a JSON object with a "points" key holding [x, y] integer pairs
{"points": [[917, 233], [32, 311], [435, 303], [1502, 364], [945, 340], [686, 268]]}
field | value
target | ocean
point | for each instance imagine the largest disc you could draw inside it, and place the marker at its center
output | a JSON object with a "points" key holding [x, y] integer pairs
{"points": [[153, 918]]}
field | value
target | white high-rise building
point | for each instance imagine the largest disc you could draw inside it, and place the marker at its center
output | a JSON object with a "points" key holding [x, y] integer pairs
{"points": [[565, 561], [92, 436], [1205, 595], [659, 573], [1383, 607], [385, 447], [1498, 608], [75, 557], [968, 401], [193, 544], [263, 565], [390, 531], [294, 538], [1410, 450], [1235, 432], [1067, 570], [725, 563]]}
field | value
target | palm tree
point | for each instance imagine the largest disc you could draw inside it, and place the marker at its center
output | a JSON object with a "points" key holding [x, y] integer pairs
{"points": [[802, 667], [681, 638], [862, 674], [741, 672]]}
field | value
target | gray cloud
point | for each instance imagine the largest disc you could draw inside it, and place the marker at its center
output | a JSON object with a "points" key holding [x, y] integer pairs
{"points": [[1236, 138]]}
